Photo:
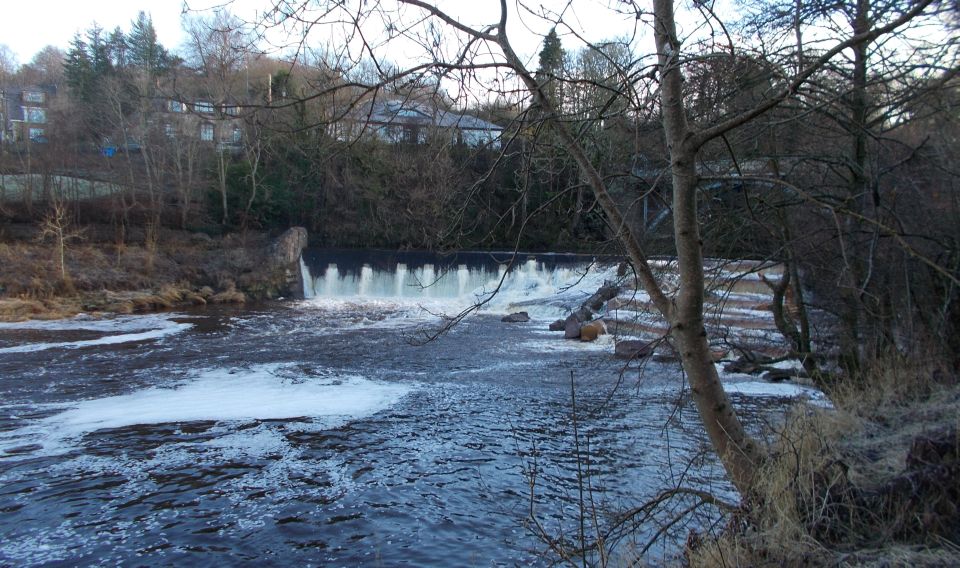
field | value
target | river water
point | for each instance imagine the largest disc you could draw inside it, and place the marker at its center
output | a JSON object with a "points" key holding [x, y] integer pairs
{"points": [[323, 432]]}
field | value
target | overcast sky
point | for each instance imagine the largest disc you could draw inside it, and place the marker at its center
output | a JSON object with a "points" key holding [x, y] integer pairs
{"points": [[29, 25]]}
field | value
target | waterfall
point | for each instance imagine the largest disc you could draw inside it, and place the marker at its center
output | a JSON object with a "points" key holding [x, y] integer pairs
{"points": [[400, 280], [308, 283], [420, 277]]}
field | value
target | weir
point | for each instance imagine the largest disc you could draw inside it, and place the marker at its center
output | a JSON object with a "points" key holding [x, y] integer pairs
{"points": [[467, 277]]}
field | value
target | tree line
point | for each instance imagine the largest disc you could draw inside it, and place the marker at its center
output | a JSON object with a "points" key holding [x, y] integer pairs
{"points": [[822, 135], [818, 134], [836, 158]]}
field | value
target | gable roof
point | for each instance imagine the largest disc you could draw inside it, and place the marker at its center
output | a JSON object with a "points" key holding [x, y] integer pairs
{"points": [[413, 113]]}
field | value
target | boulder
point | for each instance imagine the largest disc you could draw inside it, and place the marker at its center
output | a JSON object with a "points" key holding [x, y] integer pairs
{"points": [[743, 366], [557, 326], [633, 349], [749, 363], [571, 327], [287, 248], [605, 293], [592, 330], [582, 315], [284, 255], [779, 375], [518, 317]]}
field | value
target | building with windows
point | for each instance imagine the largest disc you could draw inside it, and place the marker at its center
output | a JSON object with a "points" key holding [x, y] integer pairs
{"points": [[410, 121], [25, 114], [203, 119]]}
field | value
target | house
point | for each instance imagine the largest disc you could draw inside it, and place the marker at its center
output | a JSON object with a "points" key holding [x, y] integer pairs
{"points": [[203, 119], [409, 121], [24, 113], [178, 119]]}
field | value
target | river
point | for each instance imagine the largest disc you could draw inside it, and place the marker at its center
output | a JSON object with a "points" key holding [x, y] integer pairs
{"points": [[325, 432]]}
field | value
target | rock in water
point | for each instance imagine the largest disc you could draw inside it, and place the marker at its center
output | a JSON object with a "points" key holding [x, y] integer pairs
{"points": [[557, 326], [518, 317], [633, 349], [778, 375], [571, 327], [606, 293], [285, 257], [288, 247], [590, 331]]}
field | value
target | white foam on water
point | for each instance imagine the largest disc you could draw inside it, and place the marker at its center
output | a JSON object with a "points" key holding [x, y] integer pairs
{"points": [[125, 323], [127, 328], [423, 294], [557, 343], [263, 392], [783, 390]]}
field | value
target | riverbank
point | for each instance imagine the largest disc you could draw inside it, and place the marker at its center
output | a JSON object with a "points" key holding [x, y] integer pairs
{"points": [[145, 272]]}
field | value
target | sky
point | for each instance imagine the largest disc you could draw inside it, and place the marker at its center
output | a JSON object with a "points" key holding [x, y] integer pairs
{"points": [[61, 19], [29, 26]]}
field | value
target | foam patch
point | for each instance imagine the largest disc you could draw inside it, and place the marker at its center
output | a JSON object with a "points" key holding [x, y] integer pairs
{"points": [[125, 329], [264, 392]]}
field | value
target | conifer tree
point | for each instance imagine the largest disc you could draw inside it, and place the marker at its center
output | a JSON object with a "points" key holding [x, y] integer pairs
{"points": [[118, 48], [98, 52], [78, 70], [145, 51], [550, 66]]}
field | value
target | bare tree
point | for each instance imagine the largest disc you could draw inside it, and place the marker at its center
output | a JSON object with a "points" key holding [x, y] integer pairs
{"points": [[8, 63], [452, 49]]}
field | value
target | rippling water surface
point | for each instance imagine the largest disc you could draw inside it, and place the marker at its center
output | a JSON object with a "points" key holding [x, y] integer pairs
{"points": [[314, 433]]}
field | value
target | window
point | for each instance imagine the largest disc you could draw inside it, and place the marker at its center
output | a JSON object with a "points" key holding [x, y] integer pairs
{"points": [[203, 107], [34, 115], [169, 130], [36, 135], [206, 132], [392, 133], [237, 134], [33, 96], [231, 110], [174, 106]]}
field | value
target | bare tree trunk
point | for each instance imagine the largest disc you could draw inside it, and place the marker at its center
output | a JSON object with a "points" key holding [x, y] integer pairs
{"points": [[222, 181], [737, 451], [856, 316]]}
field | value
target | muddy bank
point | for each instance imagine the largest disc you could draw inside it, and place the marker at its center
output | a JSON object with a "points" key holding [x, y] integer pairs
{"points": [[169, 269]]}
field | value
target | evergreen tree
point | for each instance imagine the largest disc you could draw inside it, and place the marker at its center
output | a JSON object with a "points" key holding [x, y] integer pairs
{"points": [[118, 48], [145, 51], [551, 56], [78, 70], [98, 50], [550, 67]]}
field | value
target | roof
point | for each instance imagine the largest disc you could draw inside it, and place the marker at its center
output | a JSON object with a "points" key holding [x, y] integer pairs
{"points": [[414, 113]]}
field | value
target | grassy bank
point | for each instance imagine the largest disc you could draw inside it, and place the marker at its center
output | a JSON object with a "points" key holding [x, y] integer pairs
{"points": [[872, 481], [42, 279]]}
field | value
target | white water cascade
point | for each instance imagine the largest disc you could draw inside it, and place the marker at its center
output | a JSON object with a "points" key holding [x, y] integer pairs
{"points": [[527, 282]]}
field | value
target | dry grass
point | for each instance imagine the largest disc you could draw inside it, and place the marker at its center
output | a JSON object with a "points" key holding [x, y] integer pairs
{"points": [[229, 296], [874, 481], [16, 309], [167, 270]]}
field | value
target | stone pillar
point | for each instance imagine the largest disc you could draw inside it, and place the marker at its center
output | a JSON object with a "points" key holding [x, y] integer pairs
{"points": [[285, 256]]}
